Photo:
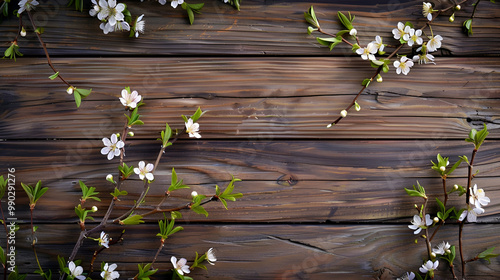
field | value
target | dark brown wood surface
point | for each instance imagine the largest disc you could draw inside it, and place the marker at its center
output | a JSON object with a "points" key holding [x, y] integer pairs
{"points": [[318, 203]]}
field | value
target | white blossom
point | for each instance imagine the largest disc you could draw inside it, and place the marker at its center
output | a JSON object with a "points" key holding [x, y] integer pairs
{"points": [[180, 265], [109, 272], [429, 266], [441, 248], [471, 213], [378, 43], [130, 99], [144, 171], [112, 147], [193, 128], [104, 240], [414, 37], [403, 66], [478, 197], [174, 3], [434, 43], [427, 10], [95, 8], [407, 276], [424, 58], [368, 52], [26, 5], [400, 31], [353, 32], [418, 223], [139, 25], [111, 11], [211, 258], [76, 271]]}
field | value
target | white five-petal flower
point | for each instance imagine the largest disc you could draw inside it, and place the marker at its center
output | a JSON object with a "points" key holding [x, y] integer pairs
{"points": [[174, 3], [424, 58], [109, 272], [378, 43], [193, 128], [26, 5], [180, 265], [434, 43], [429, 266], [368, 52], [95, 8], [414, 37], [144, 171], [478, 197], [400, 31], [427, 10], [104, 239], [403, 66], [471, 213], [130, 99], [211, 258], [76, 271], [114, 11], [418, 223], [442, 248], [112, 147]]}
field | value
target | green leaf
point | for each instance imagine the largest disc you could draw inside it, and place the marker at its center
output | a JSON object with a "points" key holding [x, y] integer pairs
{"points": [[83, 92], [145, 271], [3, 186], [175, 184], [330, 42], [2, 256], [126, 170], [310, 17], [116, 193], [53, 76], [366, 82], [478, 137], [35, 193], [454, 166], [311, 29], [78, 99], [468, 27], [197, 115], [88, 193], [418, 191], [345, 20], [199, 210], [487, 254], [190, 14], [132, 220]]}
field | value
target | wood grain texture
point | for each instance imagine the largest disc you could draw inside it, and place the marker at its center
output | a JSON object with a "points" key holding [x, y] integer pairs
{"points": [[268, 98], [282, 252], [260, 28], [283, 181]]}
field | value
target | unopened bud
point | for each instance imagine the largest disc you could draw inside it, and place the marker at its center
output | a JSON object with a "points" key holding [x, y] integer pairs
{"points": [[343, 113], [455, 187], [448, 251], [109, 177], [118, 135], [436, 219], [379, 78], [442, 168], [433, 255], [194, 194], [23, 32], [452, 18], [70, 90], [458, 8], [131, 133], [353, 32], [94, 208]]}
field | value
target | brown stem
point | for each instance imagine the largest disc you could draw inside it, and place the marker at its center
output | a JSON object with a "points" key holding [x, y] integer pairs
{"points": [[45, 49], [444, 203], [460, 231]]}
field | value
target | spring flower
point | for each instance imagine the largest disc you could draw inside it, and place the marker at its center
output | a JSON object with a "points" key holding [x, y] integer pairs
{"points": [[139, 25], [211, 258], [76, 271], [378, 43], [414, 37], [434, 43], [400, 31], [180, 265], [353, 32], [427, 10], [367, 53], [193, 128], [113, 146], [194, 193], [424, 58], [471, 214], [442, 248], [94, 208], [478, 197], [109, 272], [403, 66], [23, 32], [174, 3], [104, 240], [429, 266], [95, 8], [26, 5], [144, 171], [70, 90], [129, 99], [343, 113], [418, 224], [111, 11], [407, 276]]}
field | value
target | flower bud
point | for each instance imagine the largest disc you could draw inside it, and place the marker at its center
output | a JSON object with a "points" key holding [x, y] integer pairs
{"points": [[379, 78], [194, 194], [131, 133], [458, 8], [455, 187], [452, 18], [436, 220], [70, 90], [442, 168], [343, 113], [433, 255], [448, 251], [23, 32], [109, 178], [353, 32], [94, 208]]}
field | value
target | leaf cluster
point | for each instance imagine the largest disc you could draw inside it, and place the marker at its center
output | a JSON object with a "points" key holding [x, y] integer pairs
{"points": [[82, 213], [145, 271], [88, 192], [197, 115], [418, 191], [126, 170], [167, 228], [191, 9], [175, 183], [133, 119], [12, 51], [165, 136], [228, 194], [477, 137], [79, 94], [132, 220], [34, 193]]}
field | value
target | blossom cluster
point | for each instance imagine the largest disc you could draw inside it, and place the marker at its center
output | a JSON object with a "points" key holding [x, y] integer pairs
{"points": [[112, 17], [477, 199]]}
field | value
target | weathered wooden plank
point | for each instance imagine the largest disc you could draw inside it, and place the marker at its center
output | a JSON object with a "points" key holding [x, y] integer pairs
{"points": [[269, 251], [260, 28], [252, 98], [294, 181]]}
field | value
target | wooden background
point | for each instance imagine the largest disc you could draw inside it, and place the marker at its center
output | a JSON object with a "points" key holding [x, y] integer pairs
{"points": [[318, 203]]}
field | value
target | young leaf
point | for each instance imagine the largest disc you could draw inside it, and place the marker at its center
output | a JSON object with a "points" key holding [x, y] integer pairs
{"points": [[366, 82], [116, 193], [310, 17], [3, 186], [345, 21], [35, 193], [53, 76], [132, 220], [487, 254], [78, 99], [175, 183], [126, 170], [88, 193]]}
